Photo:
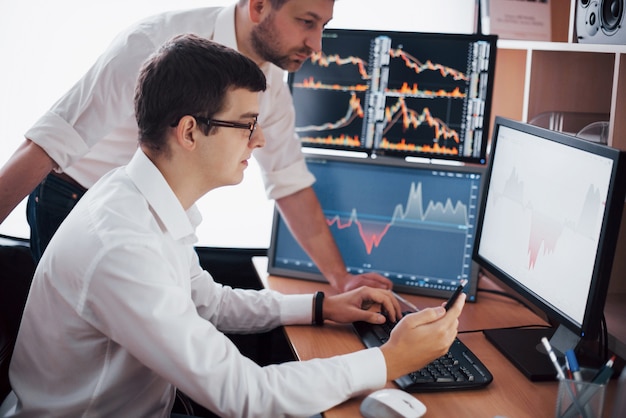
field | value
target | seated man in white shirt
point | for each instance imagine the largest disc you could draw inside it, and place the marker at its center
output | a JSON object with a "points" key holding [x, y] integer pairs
{"points": [[120, 312]]}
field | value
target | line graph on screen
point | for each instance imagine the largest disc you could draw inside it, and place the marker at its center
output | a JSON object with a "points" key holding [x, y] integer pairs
{"points": [[547, 236], [414, 214]]}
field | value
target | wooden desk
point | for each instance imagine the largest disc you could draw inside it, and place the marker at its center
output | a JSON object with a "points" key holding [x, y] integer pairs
{"points": [[510, 394]]}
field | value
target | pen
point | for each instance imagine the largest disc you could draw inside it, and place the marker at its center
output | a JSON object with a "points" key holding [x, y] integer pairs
{"points": [[561, 376], [555, 362], [406, 302], [572, 361], [605, 372], [601, 378], [568, 370]]}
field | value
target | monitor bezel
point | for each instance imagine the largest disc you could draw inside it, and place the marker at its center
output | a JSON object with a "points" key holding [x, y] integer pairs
{"points": [[426, 36], [471, 288], [591, 324]]}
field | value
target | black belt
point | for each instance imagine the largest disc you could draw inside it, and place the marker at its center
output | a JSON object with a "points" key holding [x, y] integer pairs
{"points": [[67, 179]]}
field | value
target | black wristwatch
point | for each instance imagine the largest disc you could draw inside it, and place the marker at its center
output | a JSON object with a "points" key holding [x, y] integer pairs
{"points": [[318, 311]]}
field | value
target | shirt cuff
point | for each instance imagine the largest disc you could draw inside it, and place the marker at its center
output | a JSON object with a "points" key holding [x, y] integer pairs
{"points": [[58, 138], [367, 369], [288, 180], [296, 309]]}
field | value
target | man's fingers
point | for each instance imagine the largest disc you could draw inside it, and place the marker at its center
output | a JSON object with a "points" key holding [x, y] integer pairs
{"points": [[424, 316]]}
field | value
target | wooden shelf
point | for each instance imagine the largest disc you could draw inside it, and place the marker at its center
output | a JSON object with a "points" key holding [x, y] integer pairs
{"points": [[562, 76], [560, 46]]}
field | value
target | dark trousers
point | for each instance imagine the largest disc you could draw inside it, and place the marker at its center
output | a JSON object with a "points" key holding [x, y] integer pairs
{"points": [[48, 205]]}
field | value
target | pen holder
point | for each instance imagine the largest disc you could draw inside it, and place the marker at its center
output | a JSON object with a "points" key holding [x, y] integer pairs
{"points": [[580, 399]]}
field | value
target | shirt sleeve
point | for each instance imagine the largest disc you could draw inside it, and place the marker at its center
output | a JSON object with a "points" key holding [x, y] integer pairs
{"points": [[93, 107], [143, 310], [281, 160], [246, 311]]}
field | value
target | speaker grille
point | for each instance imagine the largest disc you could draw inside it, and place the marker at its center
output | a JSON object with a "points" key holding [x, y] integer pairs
{"points": [[612, 11]]}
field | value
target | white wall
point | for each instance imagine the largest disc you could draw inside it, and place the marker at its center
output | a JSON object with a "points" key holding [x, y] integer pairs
{"points": [[45, 46]]}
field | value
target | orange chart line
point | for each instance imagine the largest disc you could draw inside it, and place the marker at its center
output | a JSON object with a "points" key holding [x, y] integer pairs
{"points": [[369, 238], [323, 60], [410, 118]]}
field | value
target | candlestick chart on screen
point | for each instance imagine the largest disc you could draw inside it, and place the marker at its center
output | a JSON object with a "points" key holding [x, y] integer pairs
{"points": [[397, 93]]}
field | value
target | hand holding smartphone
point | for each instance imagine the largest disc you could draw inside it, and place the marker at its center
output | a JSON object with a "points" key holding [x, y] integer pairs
{"points": [[455, 295]]}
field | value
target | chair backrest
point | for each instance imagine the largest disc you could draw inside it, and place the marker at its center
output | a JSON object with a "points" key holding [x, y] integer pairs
{"points": [[6, 349], [16, 273]]}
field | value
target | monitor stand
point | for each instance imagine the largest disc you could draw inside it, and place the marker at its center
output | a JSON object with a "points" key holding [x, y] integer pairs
{"points": [[524, 349]]}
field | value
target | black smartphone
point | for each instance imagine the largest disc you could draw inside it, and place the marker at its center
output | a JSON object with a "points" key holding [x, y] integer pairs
{"points": [[454, 296]]}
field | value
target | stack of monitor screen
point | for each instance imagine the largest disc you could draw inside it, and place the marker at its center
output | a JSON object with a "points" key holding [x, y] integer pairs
{"points": [[397, 93], [548, 226], [411, 222], [543, 218], [393, 95]]}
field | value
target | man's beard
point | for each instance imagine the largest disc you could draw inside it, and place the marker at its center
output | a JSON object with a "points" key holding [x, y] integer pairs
{"points": [[265, 42]]}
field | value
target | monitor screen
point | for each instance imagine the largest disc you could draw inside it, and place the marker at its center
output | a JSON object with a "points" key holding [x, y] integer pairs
{"points": [[397, 93], [549, 221], [411, 222]]}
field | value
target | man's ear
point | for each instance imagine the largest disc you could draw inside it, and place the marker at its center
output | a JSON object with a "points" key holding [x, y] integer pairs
{"points": [[257, 9], [185, 131]]}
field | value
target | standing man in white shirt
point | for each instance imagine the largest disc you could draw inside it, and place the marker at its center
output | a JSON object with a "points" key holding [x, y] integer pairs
{"points": [[92, 130], [120, 313]]}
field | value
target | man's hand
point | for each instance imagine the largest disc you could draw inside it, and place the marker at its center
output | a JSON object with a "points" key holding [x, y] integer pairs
{"points": [[362, 304], [420, 338], [354, 281]]}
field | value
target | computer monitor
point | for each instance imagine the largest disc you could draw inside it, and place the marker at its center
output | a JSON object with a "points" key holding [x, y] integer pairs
{"points": [[548, 227], [397, 93], [411, 222]]}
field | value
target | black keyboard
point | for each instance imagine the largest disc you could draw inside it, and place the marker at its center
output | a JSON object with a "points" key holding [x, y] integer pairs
{"points": [[458, 369]]}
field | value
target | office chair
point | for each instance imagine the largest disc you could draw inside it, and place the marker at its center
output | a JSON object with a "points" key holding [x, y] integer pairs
{"points": [[6, 348], [16, 273]]}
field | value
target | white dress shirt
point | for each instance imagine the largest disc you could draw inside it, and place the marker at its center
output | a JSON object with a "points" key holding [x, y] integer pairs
{"points": [[92, 128], [120, 313]]}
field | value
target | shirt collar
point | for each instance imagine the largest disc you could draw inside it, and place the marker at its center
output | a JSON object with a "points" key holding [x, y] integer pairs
{"points": [[166, 206]]}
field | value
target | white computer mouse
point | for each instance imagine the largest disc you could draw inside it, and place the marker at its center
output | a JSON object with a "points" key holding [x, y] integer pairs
{"points": [[391, 403]]}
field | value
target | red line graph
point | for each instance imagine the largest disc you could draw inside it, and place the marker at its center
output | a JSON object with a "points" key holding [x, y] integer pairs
{"points": [[546, 230], [543, 230], [370, 235], [372, 232]]}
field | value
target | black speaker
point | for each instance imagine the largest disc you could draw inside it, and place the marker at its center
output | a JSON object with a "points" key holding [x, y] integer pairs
{"points": [[600, 22]]}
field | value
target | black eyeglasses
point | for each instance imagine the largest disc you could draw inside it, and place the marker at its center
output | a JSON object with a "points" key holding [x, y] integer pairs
{"points": [[251, 126]]}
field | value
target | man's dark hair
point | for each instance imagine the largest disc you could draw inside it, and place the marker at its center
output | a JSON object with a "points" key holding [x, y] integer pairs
{"points": [[188, 75]]}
